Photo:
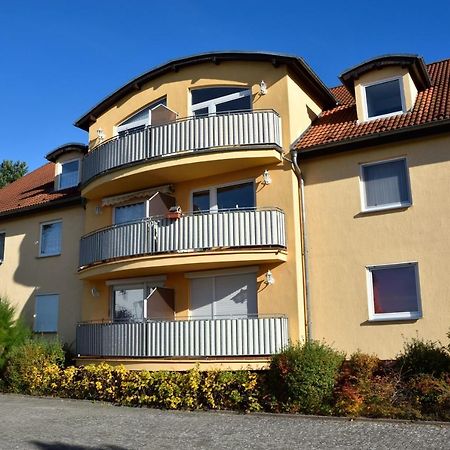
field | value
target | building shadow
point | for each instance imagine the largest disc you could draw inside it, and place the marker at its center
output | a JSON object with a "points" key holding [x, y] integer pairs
{"points": [[64, 446]]}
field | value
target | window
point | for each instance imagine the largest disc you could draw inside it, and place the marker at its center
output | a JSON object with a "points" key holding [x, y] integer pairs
{"points": [[234, 196], [385, 185], [50, 241], [394, 292], [141, 300], [220, 100], [2, 246], [141, 119], [46, 313], [69, 174], [384, 98], [130, 213], [223, 295]]}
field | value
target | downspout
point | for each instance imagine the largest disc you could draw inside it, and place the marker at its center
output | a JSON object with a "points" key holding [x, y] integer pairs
{"points": [[307, 301]]}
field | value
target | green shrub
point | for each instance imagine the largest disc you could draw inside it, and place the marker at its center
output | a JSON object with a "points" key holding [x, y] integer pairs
{"points": [[431, 395], [12, 332], [423, 357], [302, 376], [28, 362]]}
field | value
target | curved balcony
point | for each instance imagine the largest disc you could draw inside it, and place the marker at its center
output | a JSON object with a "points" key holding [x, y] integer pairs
{"points": [[234, 131], [235, 229]]}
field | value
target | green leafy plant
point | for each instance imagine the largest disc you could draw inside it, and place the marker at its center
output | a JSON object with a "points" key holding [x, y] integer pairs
{"points": [[12, 332], [423, 357], [302, 376], [28, 362]]}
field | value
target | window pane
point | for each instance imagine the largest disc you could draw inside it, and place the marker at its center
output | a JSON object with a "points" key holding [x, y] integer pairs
{"points": [[200, 201], [383, 98], [129, 213], [51, 238], [129, 304], [201, 112], [386, 183], [69, 174], [46, 313], [203, 95], [2, 246], [237, 196], [394, 290], [240, 104]]}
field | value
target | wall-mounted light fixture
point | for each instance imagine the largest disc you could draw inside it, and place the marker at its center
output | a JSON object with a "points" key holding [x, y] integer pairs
{"points": [[98, 210], [95, 293], [266, 177], [101, 134], [269, 278], [262, 88]]}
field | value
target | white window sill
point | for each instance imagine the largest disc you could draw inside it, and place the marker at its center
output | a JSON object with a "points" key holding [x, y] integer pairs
{"points": [[383, 116], [394, 317], [387, 208]]}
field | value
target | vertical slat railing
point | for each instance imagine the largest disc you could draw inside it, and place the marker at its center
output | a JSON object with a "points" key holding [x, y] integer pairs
{"points": [[191, 232], [195, 133], [184, 338]]}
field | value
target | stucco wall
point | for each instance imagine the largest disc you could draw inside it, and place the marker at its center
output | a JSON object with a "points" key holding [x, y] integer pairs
{"points": [[342, 241], [23, 274]]}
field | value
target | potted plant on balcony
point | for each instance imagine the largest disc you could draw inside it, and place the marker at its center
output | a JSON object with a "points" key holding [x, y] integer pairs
{"points": [[174, 212]]}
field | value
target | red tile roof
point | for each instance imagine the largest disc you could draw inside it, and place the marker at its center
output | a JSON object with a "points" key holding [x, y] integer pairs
{"points": [[33, 190], [339, 125]]}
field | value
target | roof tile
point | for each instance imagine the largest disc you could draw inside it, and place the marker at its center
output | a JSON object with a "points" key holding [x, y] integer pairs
{"points": [[340, 123]]}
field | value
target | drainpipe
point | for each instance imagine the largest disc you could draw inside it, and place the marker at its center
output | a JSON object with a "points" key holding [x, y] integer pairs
{"points": [[307, 302]]}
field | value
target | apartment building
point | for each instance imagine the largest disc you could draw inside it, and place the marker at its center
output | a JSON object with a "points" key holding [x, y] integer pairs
{"points": [[230, 203]]}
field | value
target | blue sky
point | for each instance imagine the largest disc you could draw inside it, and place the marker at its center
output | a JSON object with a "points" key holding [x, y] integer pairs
{"points": [[61, 57]]}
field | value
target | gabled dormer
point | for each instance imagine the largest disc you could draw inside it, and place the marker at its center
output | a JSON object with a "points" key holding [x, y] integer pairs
{"points": [[67, 159], [386, 86]]}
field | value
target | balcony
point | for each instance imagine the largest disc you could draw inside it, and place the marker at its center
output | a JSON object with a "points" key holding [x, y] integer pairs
{"points": [[183, 338], [242, 132], [230, 229]]}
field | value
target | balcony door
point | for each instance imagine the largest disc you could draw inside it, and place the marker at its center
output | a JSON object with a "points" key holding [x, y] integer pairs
{"points": [[220, 100], [233, 196], [223, 296]]}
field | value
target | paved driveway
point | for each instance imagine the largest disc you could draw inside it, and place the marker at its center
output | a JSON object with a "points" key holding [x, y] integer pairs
{"points": [[36, 423]]}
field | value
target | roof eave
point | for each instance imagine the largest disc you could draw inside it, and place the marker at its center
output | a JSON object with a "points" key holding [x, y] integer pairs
{"points": [[297, 64], [379, 138]]}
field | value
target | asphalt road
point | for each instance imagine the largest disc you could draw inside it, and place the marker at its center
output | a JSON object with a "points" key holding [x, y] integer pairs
{"points": [[46, 423]]}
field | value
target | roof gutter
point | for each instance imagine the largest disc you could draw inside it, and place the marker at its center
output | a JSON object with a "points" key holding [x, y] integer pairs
{"points": [[382, 137], [55, 204], [306, 296]]}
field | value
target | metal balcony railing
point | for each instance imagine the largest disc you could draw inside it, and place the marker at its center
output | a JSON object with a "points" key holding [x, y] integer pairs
{"points": [[264, 227], [224, 131], [242, 336]]}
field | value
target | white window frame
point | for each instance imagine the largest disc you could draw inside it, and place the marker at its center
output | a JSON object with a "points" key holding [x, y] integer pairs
{"points": [[384, 80], [55, 330], [213, 207], [41, 226], [2, 256], [385, 317], [149, 284], [59, 168], [211, 104], [362, 187]]}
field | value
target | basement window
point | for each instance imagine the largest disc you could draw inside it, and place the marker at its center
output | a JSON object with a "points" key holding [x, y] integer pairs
{"points": [[384, 98]]}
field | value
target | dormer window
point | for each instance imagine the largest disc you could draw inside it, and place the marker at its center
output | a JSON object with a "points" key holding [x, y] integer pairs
{"points": [[384, 98], [69, 175]]}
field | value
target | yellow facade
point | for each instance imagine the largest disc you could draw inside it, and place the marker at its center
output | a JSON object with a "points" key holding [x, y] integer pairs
{"points": [[343, 240]]}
